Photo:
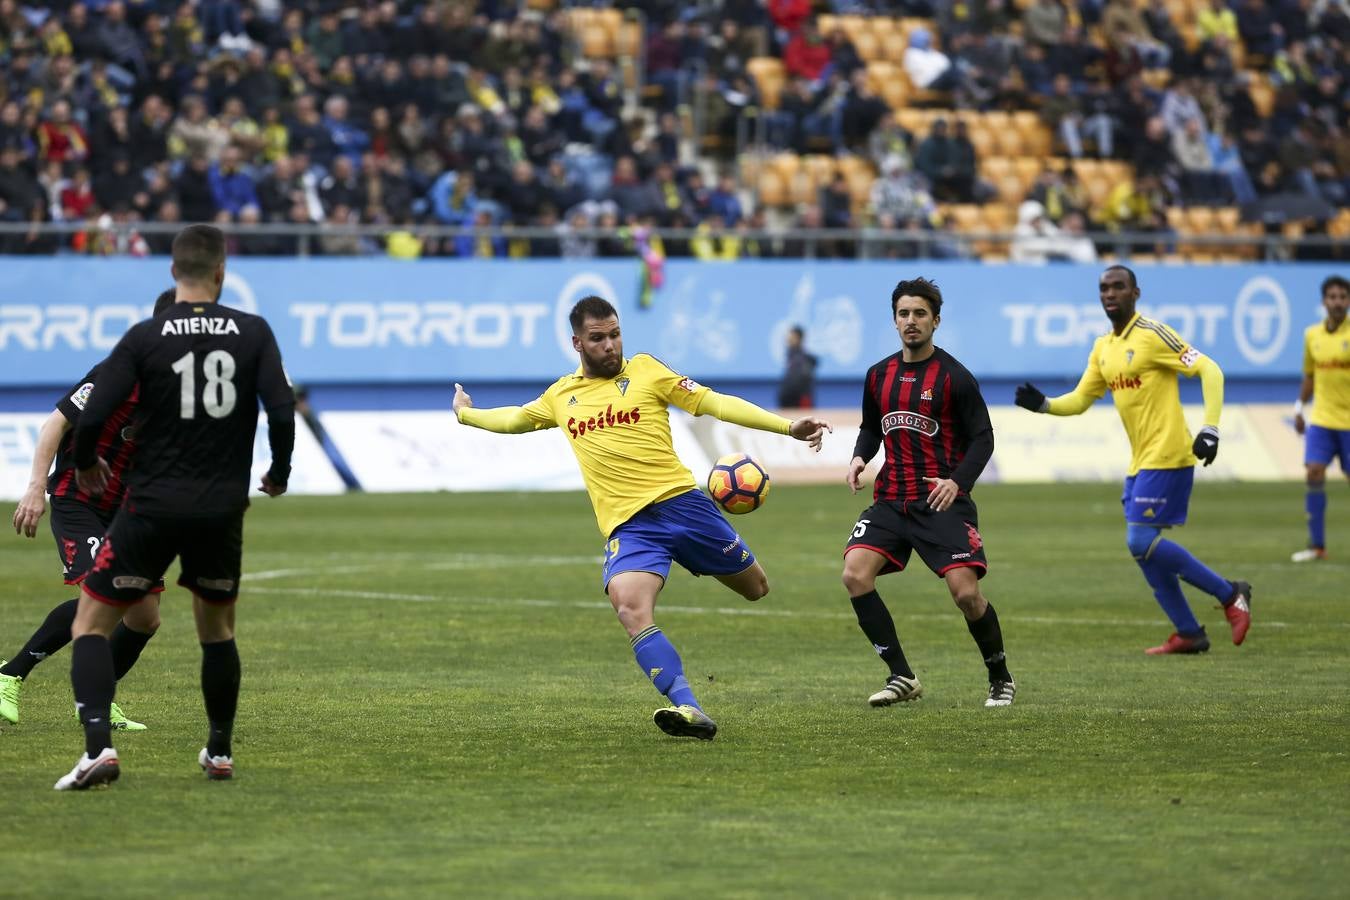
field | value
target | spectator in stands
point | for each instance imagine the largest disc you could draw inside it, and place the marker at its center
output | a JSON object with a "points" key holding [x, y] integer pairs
{"points": [[807, 55], [59, 138], [1128, 35], [21, 200], [888, 139], [1153, 153], [844, 57], [194, 133], [948, 162], [927, 67], [1227, 158], [836, 205], [196, 200], [77, 197], [1037, 240], [1180, 106], [342, 187], [116, 186], [725, 203], [231, 186], [900, 196], [862, 110], [1043, 22], [1199, 181], [1258, 29]]}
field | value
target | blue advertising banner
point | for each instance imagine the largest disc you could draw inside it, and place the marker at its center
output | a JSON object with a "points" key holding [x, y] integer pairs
{"points": [[384, 321]]}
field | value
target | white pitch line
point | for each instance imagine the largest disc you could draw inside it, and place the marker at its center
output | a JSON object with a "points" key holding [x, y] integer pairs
{"points": [[761, 611]]}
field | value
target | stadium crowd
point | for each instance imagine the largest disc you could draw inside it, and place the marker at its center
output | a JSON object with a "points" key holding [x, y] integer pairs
{"points": [[480, 115]]}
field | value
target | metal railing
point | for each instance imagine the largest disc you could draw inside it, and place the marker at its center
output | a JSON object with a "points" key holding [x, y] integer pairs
{"points": [[862, 243]]}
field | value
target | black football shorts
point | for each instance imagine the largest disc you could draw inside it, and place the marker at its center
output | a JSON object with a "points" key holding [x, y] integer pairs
{"points": [[79, 529], [944, 540], [138, 550]]}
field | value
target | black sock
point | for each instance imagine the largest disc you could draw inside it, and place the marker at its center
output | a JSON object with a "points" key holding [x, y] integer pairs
{"points": [[989, 637], [877, 624], [52, 635], [91, 675], [127, 644], [220, 690]]}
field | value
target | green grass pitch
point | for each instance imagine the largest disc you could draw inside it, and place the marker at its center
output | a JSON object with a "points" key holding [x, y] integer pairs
{"points": [[438, 701]]}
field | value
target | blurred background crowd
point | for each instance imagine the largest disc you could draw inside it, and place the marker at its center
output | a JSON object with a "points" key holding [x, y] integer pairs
{"points": [[718, 130]]}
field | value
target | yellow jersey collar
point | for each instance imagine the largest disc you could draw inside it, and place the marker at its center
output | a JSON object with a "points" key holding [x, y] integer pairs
{"points": [[1128, 326]]}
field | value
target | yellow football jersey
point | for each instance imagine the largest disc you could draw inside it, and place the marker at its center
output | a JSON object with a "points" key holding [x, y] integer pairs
{"points": [[1139, 367], [619, 429], [1326, 357]]}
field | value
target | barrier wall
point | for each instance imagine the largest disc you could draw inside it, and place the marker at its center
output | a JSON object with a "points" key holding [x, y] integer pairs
{"points": [[430, 451], [312, 473], [382, 321]]}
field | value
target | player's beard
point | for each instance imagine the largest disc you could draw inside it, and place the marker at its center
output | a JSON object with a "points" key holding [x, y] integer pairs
{"points": [[601, 367]]}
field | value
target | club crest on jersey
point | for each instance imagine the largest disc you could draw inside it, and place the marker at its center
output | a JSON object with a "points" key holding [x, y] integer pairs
{"points": [[1129, 357], [81, 395], [622, 384], [910, 421]]}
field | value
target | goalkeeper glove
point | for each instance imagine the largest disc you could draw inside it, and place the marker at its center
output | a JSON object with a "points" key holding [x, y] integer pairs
{"points": [[1206, 444], [1030, 397]]}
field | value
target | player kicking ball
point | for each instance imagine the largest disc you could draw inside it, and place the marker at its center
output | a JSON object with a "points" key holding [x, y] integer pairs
{"points": [[616, 414], [1138, 362], [926, 408]]}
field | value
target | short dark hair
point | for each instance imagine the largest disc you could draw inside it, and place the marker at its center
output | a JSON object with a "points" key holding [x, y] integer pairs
{"points": [[798, 330], [919, 287], [591, 307], [1335, 281], [198, 250], [1129, 273], [165, 300]]}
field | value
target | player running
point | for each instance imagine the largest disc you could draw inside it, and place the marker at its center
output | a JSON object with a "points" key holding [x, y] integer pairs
{"points": [[1138, 363], [201, 369], [615, 413], [79, 522], [926, 408], [1326, 376]]}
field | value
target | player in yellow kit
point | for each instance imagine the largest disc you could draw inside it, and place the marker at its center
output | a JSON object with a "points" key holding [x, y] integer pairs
{"points": [[1138, 362], [615, 413], [1326, 376]]}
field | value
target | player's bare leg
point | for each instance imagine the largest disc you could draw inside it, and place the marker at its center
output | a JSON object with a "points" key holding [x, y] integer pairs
{"points": [[91, 676], [220, 684], [1315, 503], [633, 596], [982, 620], [751, 583], [861, 568]]}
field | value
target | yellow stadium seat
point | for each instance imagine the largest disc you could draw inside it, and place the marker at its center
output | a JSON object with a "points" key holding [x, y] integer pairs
{"points": [[770, 77], [596, 42], [771, 188], [787, 165], [995, 167], [868, 47]]}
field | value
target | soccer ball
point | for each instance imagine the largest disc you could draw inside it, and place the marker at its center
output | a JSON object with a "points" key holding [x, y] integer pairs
{"points": [[738, 484]]}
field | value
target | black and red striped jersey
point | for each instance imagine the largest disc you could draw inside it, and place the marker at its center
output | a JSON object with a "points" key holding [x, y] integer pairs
{"points": [[115, 445], [933, 421]]}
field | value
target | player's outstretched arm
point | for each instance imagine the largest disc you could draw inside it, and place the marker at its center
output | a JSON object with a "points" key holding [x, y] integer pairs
{"points": [[31, 507], [502, 420], [1206, 445], [742, 412]]}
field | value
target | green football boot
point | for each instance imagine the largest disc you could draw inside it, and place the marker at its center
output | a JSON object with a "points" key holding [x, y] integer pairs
{"points": [[10, 688]]}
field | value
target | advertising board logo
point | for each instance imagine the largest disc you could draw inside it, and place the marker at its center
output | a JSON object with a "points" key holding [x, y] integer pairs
{"points": [[1261, 320]]}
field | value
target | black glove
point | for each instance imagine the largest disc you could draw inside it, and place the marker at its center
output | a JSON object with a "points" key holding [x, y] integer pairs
{"points": [[1206, 444], [1030, 397]]}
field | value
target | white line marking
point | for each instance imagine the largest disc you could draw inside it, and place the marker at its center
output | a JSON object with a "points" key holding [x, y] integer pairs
{"points": [[766, 612]]}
